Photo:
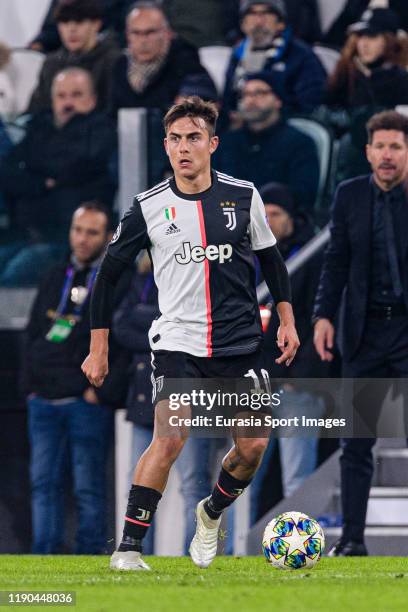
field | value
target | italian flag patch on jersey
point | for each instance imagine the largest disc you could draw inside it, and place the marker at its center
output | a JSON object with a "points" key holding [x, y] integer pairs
{"points": [[170, 213]]}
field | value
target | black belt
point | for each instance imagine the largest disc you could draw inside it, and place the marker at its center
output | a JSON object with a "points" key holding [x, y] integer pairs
{"points": [[387, 312]]}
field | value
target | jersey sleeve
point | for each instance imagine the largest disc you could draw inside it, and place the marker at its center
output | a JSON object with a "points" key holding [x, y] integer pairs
{"points": [[260, 233], [130, 236]]}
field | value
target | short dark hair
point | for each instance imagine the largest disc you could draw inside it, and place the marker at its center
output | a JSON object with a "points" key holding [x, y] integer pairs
{"points": [[387, 120], [78, 10], [195, 108], [97, 206]]}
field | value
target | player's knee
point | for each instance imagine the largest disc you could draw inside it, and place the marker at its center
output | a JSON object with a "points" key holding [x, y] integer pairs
{"points": [[168, 449], [251, 451]]}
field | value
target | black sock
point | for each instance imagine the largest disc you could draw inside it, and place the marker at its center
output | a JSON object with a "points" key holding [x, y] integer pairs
{"points": [[225, 492], [141, 507]]}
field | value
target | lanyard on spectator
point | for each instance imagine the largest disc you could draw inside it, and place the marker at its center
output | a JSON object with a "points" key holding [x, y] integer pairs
{"points": [[62, 327], [69, 277]]}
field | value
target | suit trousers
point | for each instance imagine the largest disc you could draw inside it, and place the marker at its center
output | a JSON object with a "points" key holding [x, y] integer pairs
{"points": [[383, 354]]}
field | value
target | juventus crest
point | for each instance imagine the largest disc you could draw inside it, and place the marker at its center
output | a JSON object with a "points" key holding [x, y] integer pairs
{"points": [[228, 209]]}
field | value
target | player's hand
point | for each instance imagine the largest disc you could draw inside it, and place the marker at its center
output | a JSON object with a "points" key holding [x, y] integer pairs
{"points": [[288, 342], [95, 368], [324, 339]]}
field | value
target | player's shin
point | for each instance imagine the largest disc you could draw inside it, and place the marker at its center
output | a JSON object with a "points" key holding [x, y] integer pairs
{"points": [[141, 507], [227, 489]]}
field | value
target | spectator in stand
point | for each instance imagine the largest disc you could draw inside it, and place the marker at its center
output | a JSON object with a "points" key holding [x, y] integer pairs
{"points": [[298, 76], [66, 417], [354, 10], [372, 68], [267, 148], [302, 15], [156, 62], [298, 455], [131, 324], [78, 22], [62, 160], [114, 16]]}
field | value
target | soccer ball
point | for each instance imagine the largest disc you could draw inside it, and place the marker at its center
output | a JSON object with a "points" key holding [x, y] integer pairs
{"points": [[293, 540]]}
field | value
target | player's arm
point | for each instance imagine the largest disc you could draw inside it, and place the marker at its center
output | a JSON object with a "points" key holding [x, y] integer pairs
{"points": [[276, 277], [130, 237]]}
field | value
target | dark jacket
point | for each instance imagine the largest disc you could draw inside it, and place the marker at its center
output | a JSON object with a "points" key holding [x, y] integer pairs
{"points": [[347, 262], [182, 60], [304, 284], [53, 370], [304, 19], [299, 77], [98, 61], [279, 153], [386, 86], [131, 324], [76, 156]]}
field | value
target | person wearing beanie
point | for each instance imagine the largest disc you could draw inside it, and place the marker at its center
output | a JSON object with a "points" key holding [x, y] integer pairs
{"points": [[269, 45], [266, 148]]}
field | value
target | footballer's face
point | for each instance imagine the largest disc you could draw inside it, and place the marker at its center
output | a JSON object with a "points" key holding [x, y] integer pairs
{"points": [[189, 147], [388, 156]]}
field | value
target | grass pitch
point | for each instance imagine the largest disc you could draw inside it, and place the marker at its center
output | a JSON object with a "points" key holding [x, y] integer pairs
{"points": [[231, 584]]}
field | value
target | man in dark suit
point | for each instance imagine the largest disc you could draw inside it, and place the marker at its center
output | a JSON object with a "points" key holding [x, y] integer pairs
{"points": [[368, 258]]}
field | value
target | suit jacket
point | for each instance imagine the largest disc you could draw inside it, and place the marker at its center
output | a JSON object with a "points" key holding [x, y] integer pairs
{"points": [[347, 261]]}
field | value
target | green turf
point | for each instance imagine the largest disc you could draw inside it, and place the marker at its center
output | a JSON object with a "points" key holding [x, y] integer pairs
{"points": [[230, 584]]}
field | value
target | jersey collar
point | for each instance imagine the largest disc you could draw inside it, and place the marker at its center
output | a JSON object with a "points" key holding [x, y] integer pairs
{"points": [[195, 196]]}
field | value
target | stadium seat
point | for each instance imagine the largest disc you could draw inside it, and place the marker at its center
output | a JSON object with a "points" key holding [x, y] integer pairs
{"points": [[24, 68], [215, 59], [329, 10], [322, 137], [328, 56]]}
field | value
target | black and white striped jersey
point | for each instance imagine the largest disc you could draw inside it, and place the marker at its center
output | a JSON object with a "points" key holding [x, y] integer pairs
{"points": [[201, 247]]}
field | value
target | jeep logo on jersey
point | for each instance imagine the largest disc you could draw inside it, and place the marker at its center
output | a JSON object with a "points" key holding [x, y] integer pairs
{"points": [[212, 252]]}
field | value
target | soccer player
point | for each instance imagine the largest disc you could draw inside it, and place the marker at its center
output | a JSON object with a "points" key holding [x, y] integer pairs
{"points": [[200, 227]]}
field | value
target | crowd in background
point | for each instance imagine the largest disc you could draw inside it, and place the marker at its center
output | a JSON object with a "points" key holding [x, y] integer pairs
{"points": [[147, 55], [102, 56]]}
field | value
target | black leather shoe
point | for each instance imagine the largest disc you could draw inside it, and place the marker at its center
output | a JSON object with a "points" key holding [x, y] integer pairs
{"points": [[347, 548]]}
